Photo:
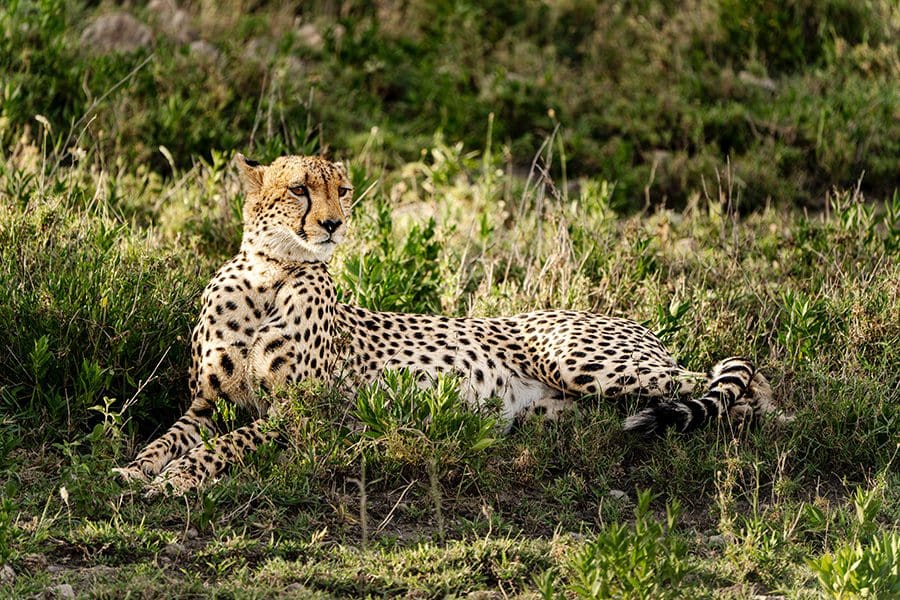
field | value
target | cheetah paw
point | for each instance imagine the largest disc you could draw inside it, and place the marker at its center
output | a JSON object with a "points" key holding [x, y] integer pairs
{"points": [[131, 473], [173, 482]]}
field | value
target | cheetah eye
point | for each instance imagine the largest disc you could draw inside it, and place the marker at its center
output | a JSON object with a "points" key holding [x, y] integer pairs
{"points": [[299, 190], [343, 191]]}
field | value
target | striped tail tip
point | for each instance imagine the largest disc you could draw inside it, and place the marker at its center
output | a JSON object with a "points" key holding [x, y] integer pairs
{"points": [[658, 418]]}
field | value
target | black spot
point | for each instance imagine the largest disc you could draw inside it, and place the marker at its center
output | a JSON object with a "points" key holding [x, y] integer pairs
{"points": [[227, 364], [233, 325], [273, 345], [626, 380], [277, 363], [583, 379]]}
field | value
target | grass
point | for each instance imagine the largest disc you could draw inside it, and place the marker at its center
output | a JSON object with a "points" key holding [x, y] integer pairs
{"points": [[759, 235]]}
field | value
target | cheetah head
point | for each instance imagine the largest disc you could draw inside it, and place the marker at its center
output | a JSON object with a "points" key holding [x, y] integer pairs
{"points": [[296, 208]]}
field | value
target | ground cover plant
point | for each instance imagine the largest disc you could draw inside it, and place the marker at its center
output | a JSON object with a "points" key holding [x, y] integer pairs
{"points": [[723, 172]]}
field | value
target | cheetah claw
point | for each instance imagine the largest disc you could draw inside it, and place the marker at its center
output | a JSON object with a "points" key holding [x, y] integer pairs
{"points": [[173, 482], [130, 474]]}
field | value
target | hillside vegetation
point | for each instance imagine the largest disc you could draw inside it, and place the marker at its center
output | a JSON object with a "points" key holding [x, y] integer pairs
{"points": [[724, 172]]}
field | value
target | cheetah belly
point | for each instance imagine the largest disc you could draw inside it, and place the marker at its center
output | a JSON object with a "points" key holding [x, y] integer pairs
{"points": [[431, 345], [517, 393]]}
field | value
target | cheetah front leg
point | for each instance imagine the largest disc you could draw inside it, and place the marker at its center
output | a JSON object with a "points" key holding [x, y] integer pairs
{"points": [[210, 458], [185, 434]]}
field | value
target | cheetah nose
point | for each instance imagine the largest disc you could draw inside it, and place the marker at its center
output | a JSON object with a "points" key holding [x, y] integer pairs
{"points": [[330, 225]]}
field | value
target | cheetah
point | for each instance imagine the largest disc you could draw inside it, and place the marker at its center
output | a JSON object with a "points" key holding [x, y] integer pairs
{"points": [[270, 317]]}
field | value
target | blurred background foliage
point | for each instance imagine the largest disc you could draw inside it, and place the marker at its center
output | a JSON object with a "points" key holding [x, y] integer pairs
{"points": [[790, 98]]}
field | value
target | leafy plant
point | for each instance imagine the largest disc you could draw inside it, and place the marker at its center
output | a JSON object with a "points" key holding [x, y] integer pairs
{"points": [[429, 427], [645, 560], [867, 570], [415, 419], [391, 274]]}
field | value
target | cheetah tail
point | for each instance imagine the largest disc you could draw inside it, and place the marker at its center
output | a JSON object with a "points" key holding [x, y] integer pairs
{"points": [[729, 380]]}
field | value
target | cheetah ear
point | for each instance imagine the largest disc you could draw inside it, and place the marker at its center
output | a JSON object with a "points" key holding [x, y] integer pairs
{"points": [[251, 172]]}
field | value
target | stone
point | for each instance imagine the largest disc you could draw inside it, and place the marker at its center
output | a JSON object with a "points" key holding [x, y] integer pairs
{"points": [[618, 495], [117, 32], [63, 590], [205, 51], [7, 575]]}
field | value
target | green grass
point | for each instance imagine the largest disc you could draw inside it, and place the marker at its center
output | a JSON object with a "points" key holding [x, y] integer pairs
{"points": [[774, 252]]}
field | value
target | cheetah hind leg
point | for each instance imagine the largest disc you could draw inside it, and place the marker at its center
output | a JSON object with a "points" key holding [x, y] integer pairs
{"points": [[209, 459]]}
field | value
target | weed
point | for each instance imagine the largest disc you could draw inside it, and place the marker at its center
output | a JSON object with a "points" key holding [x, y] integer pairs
{"points": [[645, 560], [392, 276], [868, 565]]}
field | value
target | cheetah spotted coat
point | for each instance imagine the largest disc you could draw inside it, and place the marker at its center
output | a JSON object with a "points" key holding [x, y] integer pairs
{"points": [[270, 318]]}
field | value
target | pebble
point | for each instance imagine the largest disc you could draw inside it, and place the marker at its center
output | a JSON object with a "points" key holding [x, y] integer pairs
{"points": [[63, 590], [618, 495], [118, 32], [7, 575], [174, 550]]}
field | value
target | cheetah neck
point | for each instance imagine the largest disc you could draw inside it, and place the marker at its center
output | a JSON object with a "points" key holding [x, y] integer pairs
{"points": [[280, 248]]}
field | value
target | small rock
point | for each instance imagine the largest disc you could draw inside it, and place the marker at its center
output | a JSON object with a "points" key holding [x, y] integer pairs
{"points": [[205, 51], [172, 21], [118, 32], [618, 495], [685, 247], [7, 575], [309, 36], [174, 550], [765, 83], [191, 533], [35, 562], [63, 590], [295, 588], [716, 541], [259, 50]]}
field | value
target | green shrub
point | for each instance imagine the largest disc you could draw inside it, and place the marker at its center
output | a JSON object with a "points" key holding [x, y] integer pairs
{"points": [[415, 423], [92, 307], [868, 566], [646, 560], [392, 274]]}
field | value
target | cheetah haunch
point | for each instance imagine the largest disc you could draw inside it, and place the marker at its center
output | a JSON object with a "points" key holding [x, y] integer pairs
{"points": [[270, 318]]}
